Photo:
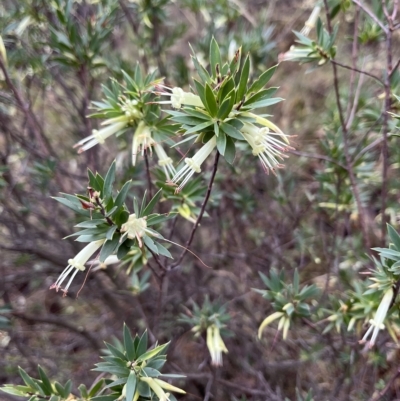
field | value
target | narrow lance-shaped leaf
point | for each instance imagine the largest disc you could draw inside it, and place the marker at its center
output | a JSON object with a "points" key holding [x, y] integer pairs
{"points": [[244, 76], [215, 57], [108, 182]]}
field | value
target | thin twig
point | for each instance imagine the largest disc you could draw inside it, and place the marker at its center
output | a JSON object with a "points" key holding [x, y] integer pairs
{"points": [[316, 156], [149, 183], [385, 124], [202, 210], [348, 67], [350, 170], [371, 14]]}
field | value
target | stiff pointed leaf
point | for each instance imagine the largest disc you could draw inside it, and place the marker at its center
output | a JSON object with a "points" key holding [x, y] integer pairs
{"points": [[109, 248], [221, 144], [215, 57], [152, 353], [120, 199], [163, 251], [131, 386], [45, 385], [151, 205], [142, 345], [244, 77], [27, 379], [108, 182], [150, 244], [394, 236], [200, 89], [226, 106], [262, 80], [230, 150], [235, 63], [151, 372], [93, 182], [231, 131], [115, 351], [211, 103], [203, 74], [128, 344]]}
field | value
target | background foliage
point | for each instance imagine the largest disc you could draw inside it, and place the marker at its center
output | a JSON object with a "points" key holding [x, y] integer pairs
{"points": [[311, 240]]}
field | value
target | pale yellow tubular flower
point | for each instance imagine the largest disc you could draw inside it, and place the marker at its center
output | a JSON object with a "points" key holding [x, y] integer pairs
{"points": [[163, 384], [178, 97], [77, 263], [269, 124], [160, 393], [141, 141], [193, 164], [99, 136], [286, 326], [215, 345], [3, 52], [135, 228], [269, 319], [380, 315], [312, 20]]}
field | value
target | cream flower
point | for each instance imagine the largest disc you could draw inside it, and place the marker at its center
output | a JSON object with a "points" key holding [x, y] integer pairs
{"points": [[310, 23], [193, 164], [142, 140], [113, 125], [215, 345], [380, 315], [164, 161], [135, 228], [267, 145], [77, 263], [158, 387], [178, 97], [99, 136]]}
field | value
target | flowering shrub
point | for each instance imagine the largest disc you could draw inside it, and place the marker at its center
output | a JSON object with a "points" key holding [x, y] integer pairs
{"points": [[105, 109]]}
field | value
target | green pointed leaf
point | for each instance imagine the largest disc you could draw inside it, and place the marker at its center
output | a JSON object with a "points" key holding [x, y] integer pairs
{"points": [[144, 389], [394, 236], [131, 386], [200, 89], [226, 106], [150, 244], [109, 248], [93, 182], [215, 57], [128, 343], [163, 251], [120, 199], [221, 143], [244, 77], [151, 372], [108, 182], [115, 351], [231, 131], [211, 103], [199, 127], [230, 150], [45, 385], [235, 63], [110, 232], [27, 379], [152, 353], [262, 80], [151, 205], [142, 345], [203, 74]]}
